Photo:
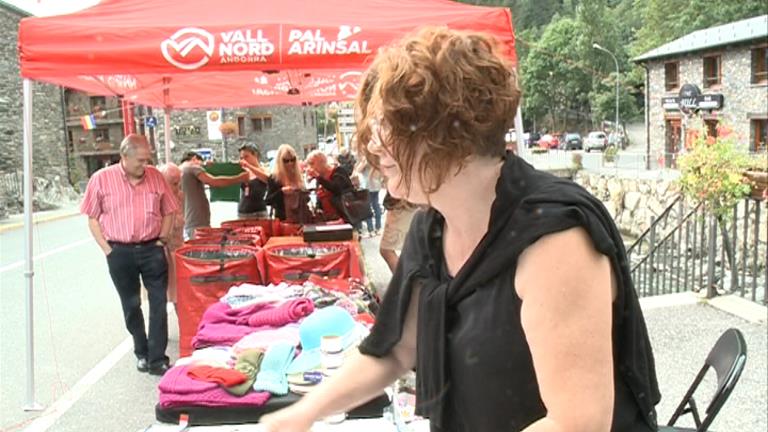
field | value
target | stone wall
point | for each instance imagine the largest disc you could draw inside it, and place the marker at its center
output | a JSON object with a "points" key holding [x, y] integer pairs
{"points": [[630, 201], [742, 99], [50, 158], [289, 125]]}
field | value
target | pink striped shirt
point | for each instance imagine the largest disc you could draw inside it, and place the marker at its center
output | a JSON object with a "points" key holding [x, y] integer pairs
{"points": [[128, 213]]}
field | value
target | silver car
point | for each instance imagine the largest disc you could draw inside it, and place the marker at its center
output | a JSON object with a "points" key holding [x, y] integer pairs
{"points": [[596, 141]]}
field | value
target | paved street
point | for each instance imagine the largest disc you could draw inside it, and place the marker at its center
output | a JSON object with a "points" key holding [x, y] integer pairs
{"points": [[85, 369]]}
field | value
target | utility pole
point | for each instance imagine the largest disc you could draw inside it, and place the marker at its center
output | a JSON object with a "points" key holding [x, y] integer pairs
{"points": [[616, 125]]}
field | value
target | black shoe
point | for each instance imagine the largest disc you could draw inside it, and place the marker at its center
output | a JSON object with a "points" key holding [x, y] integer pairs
{"points": [[142, 365], [159, 370]]}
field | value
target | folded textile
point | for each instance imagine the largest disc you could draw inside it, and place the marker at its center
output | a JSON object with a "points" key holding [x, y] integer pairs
{"points": [[248, 362], [289, 312], [271, 376], [176, 388], [222, 313], [220, 334], [264, 337], [175, 380], [216, 356], [249, 294], [223, 376]]}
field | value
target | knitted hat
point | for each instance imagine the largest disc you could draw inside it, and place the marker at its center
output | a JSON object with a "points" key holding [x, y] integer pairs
{"points": [[248, 362], [329, 321], [271, 376]]}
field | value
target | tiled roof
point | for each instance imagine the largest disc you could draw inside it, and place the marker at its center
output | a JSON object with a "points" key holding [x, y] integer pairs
{"points": [[740, 31]]}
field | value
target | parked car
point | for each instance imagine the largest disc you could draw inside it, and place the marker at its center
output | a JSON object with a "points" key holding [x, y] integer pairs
{"points": [[572, 141], [549, 141], [533, 139], [596, 141]]}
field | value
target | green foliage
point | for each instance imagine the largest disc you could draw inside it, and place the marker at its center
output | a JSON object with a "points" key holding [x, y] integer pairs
{"points": [[712, 172]]}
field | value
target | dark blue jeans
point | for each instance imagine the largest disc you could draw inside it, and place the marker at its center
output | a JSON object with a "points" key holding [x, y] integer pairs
{"points": [[126, 264], [373, 198]]}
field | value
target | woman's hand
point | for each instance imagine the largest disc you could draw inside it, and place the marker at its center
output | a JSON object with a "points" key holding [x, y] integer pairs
{"points": [[291, 419]]}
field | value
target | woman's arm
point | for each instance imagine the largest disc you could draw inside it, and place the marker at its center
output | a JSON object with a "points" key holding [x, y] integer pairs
{"points": [[257, 171], [359, 380], [338, 183], [567, 290]]}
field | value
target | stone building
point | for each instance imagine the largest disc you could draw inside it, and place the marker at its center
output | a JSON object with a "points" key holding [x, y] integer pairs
{"points": [[265, 126], [50, 152], [719, 74], [92, 149]]}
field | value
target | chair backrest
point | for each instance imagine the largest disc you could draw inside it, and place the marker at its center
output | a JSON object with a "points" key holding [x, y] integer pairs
{"points": [[727, 357]]}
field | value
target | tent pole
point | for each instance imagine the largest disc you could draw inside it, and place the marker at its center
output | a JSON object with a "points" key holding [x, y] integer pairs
{"points": [[30, 404], [167, 130]]}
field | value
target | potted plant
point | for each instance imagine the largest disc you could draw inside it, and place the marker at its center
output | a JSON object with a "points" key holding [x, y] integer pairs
{"points": [[712, 175], [712, 171], [756, 172], [228, 128]]}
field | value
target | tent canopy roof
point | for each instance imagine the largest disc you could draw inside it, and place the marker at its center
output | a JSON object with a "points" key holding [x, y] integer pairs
{"points": [[194, 54]]}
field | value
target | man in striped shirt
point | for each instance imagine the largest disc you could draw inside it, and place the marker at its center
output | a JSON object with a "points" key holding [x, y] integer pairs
{"points": [[130, 210]]}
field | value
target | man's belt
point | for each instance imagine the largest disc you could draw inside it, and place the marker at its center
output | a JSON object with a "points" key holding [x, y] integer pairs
{"points": [[151, 242]]}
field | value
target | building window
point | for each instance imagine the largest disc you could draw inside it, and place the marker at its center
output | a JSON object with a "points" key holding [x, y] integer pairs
{"points": [[671, 76], [759, 135], [240, 126], [98, 103], [101, 135], [261, 123], [711, 126], [760, 65], [711, 71]]}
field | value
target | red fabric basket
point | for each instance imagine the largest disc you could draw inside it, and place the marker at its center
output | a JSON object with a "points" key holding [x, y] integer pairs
{"points": [[291, 262], [204, 273], [265, 224]]}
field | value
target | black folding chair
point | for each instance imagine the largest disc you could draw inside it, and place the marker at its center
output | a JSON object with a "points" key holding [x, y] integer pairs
{"points": [[727, 358]]}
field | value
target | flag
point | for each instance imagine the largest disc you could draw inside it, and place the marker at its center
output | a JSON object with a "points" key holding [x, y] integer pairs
{"points": [[88, 121]]}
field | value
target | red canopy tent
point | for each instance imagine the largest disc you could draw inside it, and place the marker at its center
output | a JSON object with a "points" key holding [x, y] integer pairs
{"points": [[179, 54], [195, 53]]}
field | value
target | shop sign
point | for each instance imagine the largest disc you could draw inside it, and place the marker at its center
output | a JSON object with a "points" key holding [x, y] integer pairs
{"points": [[691, 100]]}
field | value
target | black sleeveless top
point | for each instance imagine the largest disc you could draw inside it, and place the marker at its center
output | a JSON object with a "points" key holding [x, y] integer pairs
{"points": [[474, 368], [252, 197]]}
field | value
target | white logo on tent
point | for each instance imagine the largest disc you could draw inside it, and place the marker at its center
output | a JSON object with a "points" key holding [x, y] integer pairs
{"points": [[313, 42], [349, 83], [183, 44]]}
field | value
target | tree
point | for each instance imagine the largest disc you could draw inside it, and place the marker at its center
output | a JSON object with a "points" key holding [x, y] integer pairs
{"points": [[553, 79]]}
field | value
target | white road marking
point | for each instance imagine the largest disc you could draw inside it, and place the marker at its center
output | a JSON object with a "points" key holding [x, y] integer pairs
{"points": [[64, 403], [64, 248]]}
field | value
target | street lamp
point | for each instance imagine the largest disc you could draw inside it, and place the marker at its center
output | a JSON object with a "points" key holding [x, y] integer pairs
{"points": [[616, 125]]}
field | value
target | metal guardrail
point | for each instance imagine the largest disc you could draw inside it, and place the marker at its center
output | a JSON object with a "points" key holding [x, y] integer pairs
{"points": [[689, 249], [10, 185]]}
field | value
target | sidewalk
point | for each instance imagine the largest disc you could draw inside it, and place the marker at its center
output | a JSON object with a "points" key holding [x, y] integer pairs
{"points": [[16, 221]]}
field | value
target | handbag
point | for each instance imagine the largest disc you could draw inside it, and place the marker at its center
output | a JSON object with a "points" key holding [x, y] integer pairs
{"points": [[355, 206], [297, 207]]}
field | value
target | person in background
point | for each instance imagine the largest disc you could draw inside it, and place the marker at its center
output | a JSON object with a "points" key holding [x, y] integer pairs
{"points": [[172, 174], [197, 209], [252, 204], [371, 180], [331, 182], [502, 338], [285, 179], [396, 225], [346, 160], [130, 210]]}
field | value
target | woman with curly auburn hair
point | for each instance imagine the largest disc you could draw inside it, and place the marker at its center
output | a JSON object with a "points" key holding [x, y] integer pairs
{"points": [[512, 298]]}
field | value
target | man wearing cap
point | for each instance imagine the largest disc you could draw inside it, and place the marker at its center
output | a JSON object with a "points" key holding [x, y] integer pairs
{"points": [[130, 210]]}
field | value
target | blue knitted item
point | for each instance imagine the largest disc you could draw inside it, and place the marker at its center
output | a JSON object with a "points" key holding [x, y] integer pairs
{"points": [[272, 376]]}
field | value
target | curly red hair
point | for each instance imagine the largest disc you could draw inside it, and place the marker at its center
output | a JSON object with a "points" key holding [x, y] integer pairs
{"points": [[442, 96]]}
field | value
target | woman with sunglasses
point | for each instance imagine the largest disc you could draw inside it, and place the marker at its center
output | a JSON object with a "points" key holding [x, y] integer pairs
{"points": [[512, 298], [284, 180]]}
